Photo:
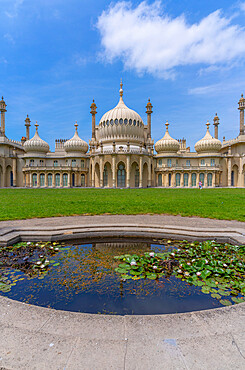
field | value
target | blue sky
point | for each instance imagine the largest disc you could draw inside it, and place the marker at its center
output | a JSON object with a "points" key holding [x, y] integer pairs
{"points": [[187, 56]]}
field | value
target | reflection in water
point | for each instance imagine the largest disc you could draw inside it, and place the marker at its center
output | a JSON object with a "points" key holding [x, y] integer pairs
{"points": [[82, 279]]}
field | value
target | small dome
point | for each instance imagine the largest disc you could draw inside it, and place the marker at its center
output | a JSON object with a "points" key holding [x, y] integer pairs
{"points": [[76, 144], [167, 143], [208, 144], [36, 144]]}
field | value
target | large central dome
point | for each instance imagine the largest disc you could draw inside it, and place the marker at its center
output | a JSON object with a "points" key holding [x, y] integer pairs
{"points": [[121, 123]]}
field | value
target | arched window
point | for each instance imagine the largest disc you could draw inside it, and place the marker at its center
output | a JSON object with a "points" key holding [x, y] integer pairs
{"points": [[134, 122], [159, 179], [65, 179], [50, 179], [111, 121], [177, 179], [55, 163], [73, 179], [186, 177], [125, 121], [105, 177], [210, 179], [169, 179], [137, 177], [232, 178], [130, 122], [34, 179], [201, 178], [42, 179], [116, 121], [121, 121], [82, 179], [193, 179], [107, 122], [57, 179], [73, 163], [121, 176]]}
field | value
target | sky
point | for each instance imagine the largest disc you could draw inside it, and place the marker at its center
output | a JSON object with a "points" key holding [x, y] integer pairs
{"points": [[187, 56]]}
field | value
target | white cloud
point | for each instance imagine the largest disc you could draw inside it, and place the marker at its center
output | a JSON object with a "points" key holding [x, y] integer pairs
{"points": [[242, 7], [147, 40], [15, 5]]}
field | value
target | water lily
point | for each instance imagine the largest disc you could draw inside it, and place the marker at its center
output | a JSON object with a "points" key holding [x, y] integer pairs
{"points": [[206, 261], [28, 243], [172, 254], [151, 254], [193, 260], [224, 264], [133, 263], [198, 273], [56, 249], [47, 261], [154, 267], [179, 271], [51, 247], [38, 262], [42, 266], [188, 263], [186, 274]]}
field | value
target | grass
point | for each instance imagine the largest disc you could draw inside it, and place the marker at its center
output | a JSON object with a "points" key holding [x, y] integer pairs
{"points": [[226, 204]]}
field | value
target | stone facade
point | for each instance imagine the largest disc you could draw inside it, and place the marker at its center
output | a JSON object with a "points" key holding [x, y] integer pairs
{"points": [[121, 154]]}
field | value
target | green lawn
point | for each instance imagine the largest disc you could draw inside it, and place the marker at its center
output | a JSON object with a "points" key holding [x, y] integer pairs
{"points": [[228, 204]]}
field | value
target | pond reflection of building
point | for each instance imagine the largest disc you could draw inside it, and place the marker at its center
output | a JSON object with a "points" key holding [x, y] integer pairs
{"points": [[123, 247]]}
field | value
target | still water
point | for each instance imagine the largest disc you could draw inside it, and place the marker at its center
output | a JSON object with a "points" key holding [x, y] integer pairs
{"points": [[81, 278]]}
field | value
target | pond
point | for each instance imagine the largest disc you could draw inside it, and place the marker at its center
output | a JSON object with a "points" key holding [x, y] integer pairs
{"points": [[124, 277]]}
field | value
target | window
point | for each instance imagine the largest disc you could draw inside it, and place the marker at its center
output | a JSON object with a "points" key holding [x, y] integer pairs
{"points": [[41, 162], [169, 179], [57, 179], [212, 162], [202, 162], [137, 177], [82, 179], [160, 162], [34, 179], [105, 176], [82, 163], [55, 163], [177, 162], [160, 179], [193, 179], [121, 121], [169, 162], [42, 179], [121, 176], [32, 162], [201, 178], [210, 178], [50, 179], [177, 179], [65, 179], [186, 177], [73, 163], [188, 162]]}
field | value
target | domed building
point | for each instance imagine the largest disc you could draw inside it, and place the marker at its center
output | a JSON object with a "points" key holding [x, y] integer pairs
{"points": [[121, 154]]}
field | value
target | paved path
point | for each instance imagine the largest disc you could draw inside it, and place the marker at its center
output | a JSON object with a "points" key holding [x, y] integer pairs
{"points": [[39, 338]]}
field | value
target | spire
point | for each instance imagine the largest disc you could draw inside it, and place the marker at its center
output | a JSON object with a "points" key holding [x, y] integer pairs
{"points": [[76, 126], [166, 124], [121, 90], [208, 124], [36, 125]]}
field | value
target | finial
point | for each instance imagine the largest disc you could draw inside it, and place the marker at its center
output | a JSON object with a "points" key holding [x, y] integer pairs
{"points": [[2, 97], [27, 116], [166, 124], [149, 100], [76, 126], [121, 90], [207, 124], [36, 125], [241, 96]]}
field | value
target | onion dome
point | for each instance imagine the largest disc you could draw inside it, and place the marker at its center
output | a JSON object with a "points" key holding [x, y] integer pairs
{"points": [[121, 122], [208, 144], [167, 143], [36, 144], [76, 144]]}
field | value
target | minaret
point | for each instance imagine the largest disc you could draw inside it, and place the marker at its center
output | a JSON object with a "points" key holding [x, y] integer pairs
{"points": [[3, 110], [216, 123], [241, 107], [93, 112], [149, 111], [27, 124]]}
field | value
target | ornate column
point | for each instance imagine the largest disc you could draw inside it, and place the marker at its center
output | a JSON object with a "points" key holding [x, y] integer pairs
{"points": [[69, 179], [46, 180], [30, 182], [93, 112], [241, 107], [27, 124], [61, 180], [92, 174], [113, 171], [240, 174], [3, 111], [14, 169], [101, 171], [216, 124], [53, 180], [229, 167], [141, 172], [38, 179], [182, 179], [205, 179], [128, 172], [149, 173], [4, 173], [149, 112]]}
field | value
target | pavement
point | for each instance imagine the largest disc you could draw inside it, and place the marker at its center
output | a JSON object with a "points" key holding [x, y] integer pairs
{"points": [[34, 337]]}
